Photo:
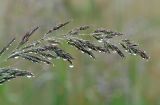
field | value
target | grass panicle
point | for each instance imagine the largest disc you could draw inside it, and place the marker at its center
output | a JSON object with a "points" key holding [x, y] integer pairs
{"points": [[47, 48]]}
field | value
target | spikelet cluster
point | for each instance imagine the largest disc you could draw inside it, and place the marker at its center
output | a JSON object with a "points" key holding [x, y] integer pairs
{"points": [[7, 74]]}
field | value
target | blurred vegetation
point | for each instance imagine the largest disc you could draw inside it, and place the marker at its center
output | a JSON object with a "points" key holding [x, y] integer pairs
{"points": [[108, 80]]}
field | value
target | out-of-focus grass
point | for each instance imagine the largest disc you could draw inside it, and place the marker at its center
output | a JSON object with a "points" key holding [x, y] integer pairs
{"points": [[107, 80]]}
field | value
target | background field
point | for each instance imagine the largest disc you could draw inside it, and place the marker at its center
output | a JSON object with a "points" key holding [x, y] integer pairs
{"points": [[108, 80]]}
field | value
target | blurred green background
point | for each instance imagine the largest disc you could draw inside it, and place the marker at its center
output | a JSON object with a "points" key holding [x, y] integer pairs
{"points": [[107, 80]]}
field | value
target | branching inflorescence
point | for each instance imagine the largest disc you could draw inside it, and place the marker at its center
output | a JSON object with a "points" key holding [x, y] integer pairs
{"points": [[47, 48]]}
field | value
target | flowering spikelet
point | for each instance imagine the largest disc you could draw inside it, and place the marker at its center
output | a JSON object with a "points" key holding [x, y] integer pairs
{"points": [[47, 55], [34, 58], [7, 74], [30, 45], [133, 49], [80, 46], [77, 30], [108, 32], [61, 53], [58, 26], [102, 33], [7, 46], [112, 47], [52, 41], [26, 37], [86, 44]]}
